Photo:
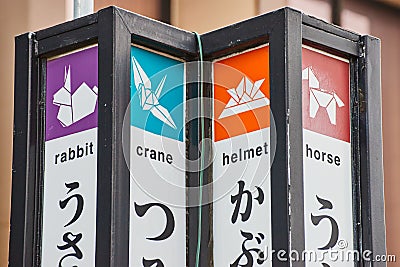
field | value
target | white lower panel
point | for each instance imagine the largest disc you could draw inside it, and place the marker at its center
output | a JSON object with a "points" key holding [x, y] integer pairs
{"points": [[249, 164], [329, 180], [78, 169], [154, 180]]}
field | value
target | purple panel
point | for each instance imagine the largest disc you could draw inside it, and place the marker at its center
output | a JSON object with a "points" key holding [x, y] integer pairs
{"points": [[71, 107]]}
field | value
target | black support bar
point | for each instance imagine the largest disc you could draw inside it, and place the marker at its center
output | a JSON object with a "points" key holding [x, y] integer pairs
{"points": [[22, 250], [295, 131], [372, 187]]}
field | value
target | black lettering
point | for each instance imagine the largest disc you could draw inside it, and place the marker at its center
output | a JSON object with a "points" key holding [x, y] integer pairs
{"points": [[249, 152], [258, 151], [79, 151], [245, 154], [63, 157], [153, 154], [308, 149], [317, 155], [322, 156], [71, 154], [337, 160], [139, 150], [234, 157], [75, 152], [266, 148], [91, 148], [330, 159], [225, 157], [161, 156], [169, 158]]}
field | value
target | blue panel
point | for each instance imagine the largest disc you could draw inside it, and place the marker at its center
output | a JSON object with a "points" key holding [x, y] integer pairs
{"points": [[157, 93]]}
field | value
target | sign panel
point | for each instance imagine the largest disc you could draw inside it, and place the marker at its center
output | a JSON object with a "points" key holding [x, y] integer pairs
{"points": [[241, 185], [70, 161], [157, 160], [328, 202]]}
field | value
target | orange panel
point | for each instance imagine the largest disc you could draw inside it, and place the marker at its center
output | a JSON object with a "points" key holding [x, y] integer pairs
{"points": [[228, 74]]}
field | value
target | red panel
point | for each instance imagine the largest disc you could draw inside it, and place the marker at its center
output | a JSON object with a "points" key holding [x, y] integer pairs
{"points": [[326, 94]]}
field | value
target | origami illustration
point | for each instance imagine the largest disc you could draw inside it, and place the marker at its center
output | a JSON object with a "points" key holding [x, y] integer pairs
{"points": [[246, 96], [320, 97], [76, 106], [149, 98]]}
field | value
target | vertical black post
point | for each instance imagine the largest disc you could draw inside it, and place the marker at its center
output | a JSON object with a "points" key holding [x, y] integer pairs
{"points": [[198, 241], [22, 232], [372, 187], [192, 156], [286, 109], [121, 174], [104, 171], [295, 131], [112, 244], [355, 155], [279, 174], [121, 177]]}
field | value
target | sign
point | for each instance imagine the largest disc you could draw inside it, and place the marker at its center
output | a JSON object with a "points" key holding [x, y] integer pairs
{"points": [[71, 201], [328, 198], [157, 160], [70, 160], [241, 185]]}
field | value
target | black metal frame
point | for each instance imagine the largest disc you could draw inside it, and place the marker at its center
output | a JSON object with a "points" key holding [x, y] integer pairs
{"points": [[371, 164], [286, 30], [25, 151], [282, 30], [115, 30]]}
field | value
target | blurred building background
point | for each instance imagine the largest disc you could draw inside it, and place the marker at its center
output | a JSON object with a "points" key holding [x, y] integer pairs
{"points": [[380, 18]]}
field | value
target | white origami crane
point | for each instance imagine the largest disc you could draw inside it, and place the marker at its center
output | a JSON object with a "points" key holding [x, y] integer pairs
{"points": [[76, 106], [149, 98], [320, 97], [246, 96]]}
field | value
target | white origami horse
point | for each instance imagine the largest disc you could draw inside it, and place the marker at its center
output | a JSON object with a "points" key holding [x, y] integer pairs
{"points": [[76, 106], [149, 98], [320, 97]]}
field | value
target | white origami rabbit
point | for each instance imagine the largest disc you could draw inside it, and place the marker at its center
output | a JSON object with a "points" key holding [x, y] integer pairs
{"points": [[76, 106]]}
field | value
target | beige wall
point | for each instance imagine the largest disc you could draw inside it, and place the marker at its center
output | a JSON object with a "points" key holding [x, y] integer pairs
{"points": [[316, 8], [206, 15], [19, 16], [149, 8], [14, 25]]}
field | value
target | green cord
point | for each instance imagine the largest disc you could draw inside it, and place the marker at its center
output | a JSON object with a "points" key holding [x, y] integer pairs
{"points": [[202, 152]]}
